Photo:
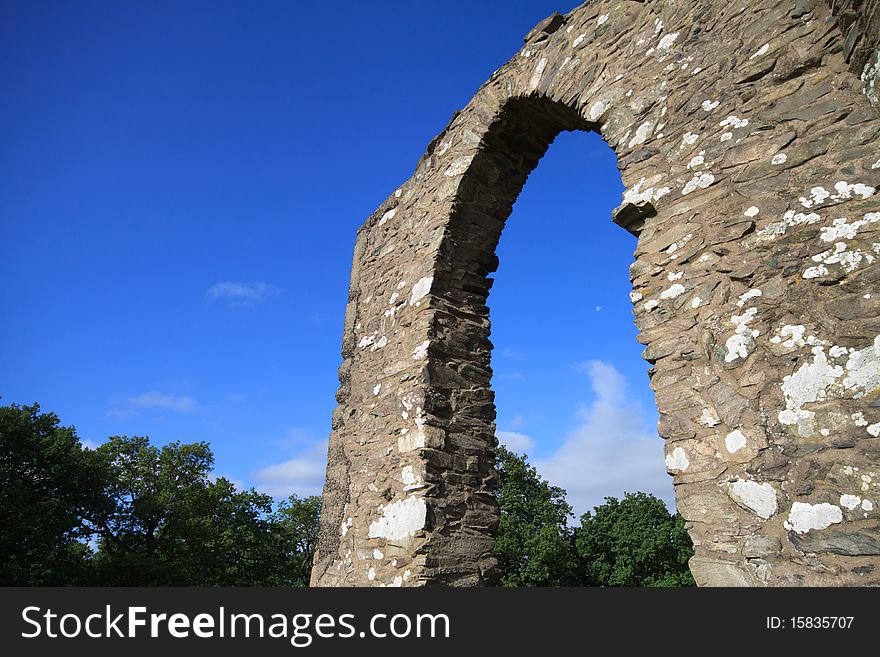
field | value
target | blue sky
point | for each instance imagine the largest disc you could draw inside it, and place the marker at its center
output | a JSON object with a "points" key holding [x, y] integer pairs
{"points": [[180, 187]]}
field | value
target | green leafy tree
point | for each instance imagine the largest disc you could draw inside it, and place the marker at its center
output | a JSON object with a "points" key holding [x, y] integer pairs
{"points": [[633, 542], [533, 543], [48, 484], [173, 525], [155, 514], [297, 522]]}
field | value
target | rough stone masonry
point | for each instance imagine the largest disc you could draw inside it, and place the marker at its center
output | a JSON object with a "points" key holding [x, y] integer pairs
{"points": [[748, 144]]}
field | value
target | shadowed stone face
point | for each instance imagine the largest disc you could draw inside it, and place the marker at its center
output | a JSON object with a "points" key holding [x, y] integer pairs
{"points": [[748, 145]]}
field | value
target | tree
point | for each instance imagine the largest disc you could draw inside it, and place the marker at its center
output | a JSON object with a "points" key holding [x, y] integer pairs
{"points": [[533, 543], [633, 542], [155, 514], [48, 483], [172, 525], [297, 521]]}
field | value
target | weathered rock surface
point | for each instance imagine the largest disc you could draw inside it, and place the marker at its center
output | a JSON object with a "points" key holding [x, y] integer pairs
{"points": [[748, 144]]}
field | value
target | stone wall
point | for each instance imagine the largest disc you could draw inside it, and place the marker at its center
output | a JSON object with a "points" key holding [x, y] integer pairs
{"points": [[750, 155]]}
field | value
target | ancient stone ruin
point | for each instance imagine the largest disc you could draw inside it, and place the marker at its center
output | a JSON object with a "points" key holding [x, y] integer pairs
{"points": [[747, 137]]}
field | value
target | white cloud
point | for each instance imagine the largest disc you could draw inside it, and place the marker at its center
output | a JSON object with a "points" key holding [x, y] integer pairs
{"points": [[89, 444], [153, 399], [613, 449], [302, 475], [130, 406], [514, 441], [241, 294]]}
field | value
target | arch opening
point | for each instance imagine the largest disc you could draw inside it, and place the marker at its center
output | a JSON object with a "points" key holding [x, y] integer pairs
{"points": [[570, 383]]}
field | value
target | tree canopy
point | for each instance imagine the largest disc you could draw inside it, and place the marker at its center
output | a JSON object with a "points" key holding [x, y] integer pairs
{"points": [[132, 514], [629, 542]]}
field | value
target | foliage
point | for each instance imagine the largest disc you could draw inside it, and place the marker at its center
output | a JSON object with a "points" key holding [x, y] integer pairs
{"points": [[533, 542], [48, 482], [155, 514], [633, 542]]}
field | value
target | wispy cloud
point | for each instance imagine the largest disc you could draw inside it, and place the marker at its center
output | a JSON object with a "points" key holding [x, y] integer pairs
{"points": [[302, 475], [515, 441], [241, 294], [131, 406], [612, 450]]}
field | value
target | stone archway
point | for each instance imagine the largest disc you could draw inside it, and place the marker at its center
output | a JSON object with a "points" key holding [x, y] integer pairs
{"points": [[749, 152]]}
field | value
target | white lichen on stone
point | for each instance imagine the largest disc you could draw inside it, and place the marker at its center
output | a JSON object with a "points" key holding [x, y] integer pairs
{"points": [[709, 105], [667, 41], [760, 51], [420, 289], [752, 211], [459, 166], [388, 215], [873, 429], [697, 160], [848, 260], [376, 389], [805, 517], [673, 291], [779, 158], [695, 302], [642, 134], [845, 191], [635, 296], [869, 77], [820, 379], [726, 136], [410, 478], [598, 109], [746, 296], [863, 369], [733, 122], [735, 441], [602, 20], [677, 460], [850, 501], [841, 229], [674, 276], [539, 71], [699, 181], [708, 419], [741, 343], [650, 305], [791, 336], [643, 191], [759, 498], [400, 519], [421, 351]]}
